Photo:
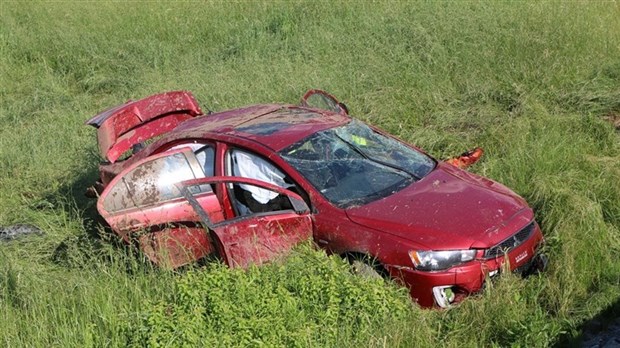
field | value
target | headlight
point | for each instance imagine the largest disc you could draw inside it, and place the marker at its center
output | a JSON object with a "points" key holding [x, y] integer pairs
{"points": [[440, 260]]}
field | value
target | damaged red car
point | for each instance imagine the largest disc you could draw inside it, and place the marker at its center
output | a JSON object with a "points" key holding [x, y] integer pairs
{"points": [[247, 185]]}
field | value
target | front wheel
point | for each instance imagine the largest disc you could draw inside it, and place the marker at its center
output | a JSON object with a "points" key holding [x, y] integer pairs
{"points": [[366, 266]]}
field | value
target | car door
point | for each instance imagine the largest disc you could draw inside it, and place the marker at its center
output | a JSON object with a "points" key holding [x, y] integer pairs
{"points": [[256, 237], [143, 205]]}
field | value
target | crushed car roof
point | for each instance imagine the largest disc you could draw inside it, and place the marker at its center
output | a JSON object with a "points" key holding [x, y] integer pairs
{"points": [[273, 125]]}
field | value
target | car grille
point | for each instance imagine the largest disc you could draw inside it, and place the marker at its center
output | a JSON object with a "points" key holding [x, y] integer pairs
{"points": [[512, 242]]}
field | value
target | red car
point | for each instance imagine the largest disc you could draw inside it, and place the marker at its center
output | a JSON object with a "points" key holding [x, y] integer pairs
{"points": [[246, 185]]}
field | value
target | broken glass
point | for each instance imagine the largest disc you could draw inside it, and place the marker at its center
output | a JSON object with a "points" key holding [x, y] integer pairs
{"points": [[353, 165]]}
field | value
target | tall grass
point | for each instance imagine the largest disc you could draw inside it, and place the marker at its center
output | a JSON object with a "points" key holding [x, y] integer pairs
{"points": [[529, 82]]}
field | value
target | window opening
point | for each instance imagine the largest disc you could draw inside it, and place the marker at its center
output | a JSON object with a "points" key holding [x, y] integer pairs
{"points": [[154, 182], [250, 199]]}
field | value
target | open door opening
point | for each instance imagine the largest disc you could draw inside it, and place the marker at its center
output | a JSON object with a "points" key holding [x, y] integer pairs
{"points": [[256, 237]]}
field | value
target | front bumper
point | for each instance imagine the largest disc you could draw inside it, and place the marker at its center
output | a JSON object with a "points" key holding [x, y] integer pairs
{"points": [[443, 288]]}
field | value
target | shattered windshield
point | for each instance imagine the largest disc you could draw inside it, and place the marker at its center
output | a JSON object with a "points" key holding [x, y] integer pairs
{"points": [[354, 165]]}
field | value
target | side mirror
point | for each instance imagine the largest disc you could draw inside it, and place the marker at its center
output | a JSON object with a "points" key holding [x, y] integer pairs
{"points": [[299, 206], [467, 158], [318, 99]]}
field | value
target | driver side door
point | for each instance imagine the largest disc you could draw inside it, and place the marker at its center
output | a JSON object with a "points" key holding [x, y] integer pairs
{"points": [[254, 238]]}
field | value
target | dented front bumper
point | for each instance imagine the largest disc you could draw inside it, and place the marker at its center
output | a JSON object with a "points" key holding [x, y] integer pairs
{"points": [[444, 288]]}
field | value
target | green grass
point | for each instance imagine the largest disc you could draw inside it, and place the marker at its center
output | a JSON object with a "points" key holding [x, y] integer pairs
{"points": [[529, 82]]}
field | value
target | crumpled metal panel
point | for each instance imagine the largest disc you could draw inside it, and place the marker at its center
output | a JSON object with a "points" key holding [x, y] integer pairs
{"points": [[122, 126]]}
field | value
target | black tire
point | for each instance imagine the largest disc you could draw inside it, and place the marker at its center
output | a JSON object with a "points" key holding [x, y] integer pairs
{"points": [[366, 266]]}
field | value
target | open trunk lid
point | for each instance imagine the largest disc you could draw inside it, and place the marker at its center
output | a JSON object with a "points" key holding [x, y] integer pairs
{"points": [[121, 127]]}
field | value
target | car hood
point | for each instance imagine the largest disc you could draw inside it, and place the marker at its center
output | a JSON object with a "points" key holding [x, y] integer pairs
{"points": [[448, 209]]}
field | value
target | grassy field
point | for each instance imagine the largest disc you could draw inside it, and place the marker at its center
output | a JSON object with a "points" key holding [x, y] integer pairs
{"points": [[530, 82]]}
